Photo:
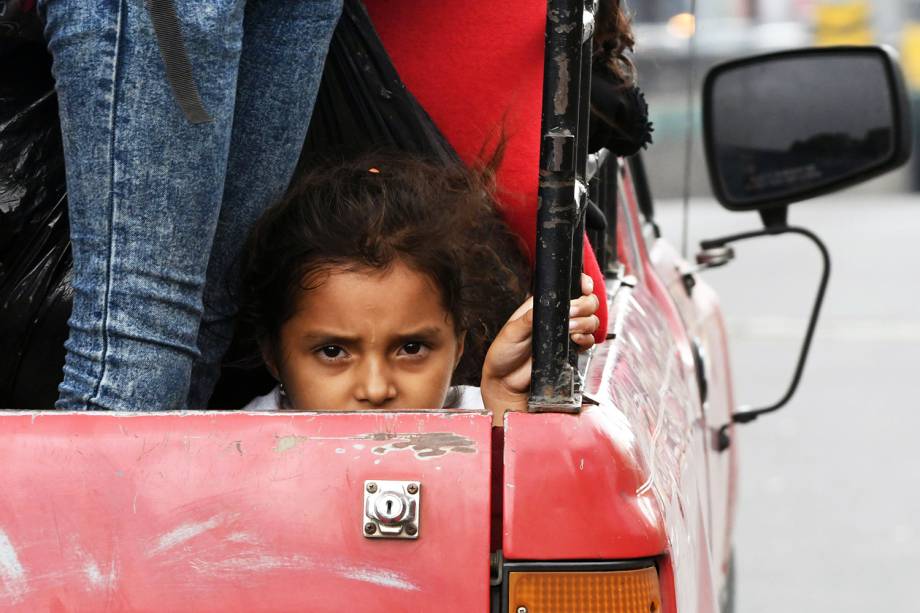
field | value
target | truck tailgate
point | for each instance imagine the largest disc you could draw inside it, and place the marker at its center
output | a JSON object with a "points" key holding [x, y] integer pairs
{"points": [[239, 512]]}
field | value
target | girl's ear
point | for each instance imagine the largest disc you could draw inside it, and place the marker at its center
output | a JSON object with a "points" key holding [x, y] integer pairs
{"points": [[268, 356], [461, 339]]}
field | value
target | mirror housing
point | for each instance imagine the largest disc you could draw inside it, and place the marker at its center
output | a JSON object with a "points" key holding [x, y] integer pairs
{"points": [[783, 127]]}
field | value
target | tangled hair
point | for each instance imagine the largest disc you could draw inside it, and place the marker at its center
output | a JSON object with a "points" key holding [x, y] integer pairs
{"points": [[371, 212], [613, 38]]}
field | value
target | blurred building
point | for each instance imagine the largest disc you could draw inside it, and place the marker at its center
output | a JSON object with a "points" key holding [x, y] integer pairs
{"points": [[668, 35]]}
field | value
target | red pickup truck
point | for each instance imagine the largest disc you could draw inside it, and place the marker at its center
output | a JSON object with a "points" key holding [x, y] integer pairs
{"points": [[614, 493]]}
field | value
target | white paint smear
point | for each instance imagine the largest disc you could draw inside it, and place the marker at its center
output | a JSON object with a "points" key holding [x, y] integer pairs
{"points": [[184, 533], [243, 537], [93, 575], [251, 563], [380, 577], [12, 573], [96, 579], [259, 563]]}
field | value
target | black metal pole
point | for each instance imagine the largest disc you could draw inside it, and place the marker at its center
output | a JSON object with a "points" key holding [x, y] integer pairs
{"points": [[553, 381], [610, 175], [581, 170]]}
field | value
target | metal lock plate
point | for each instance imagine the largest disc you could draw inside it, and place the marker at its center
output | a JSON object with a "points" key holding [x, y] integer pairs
{"points": [[392, 509]]}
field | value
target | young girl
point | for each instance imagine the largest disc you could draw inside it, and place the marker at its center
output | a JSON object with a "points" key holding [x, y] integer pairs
{"points": [[382, 282]]}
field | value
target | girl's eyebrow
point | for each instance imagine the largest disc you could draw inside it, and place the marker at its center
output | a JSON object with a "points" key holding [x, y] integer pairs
{"points": [[320, 336], [317, 336], [427, 332]]}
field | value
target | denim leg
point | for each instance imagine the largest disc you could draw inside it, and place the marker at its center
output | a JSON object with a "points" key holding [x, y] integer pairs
{"points": [[284, 49], [144, 190]]}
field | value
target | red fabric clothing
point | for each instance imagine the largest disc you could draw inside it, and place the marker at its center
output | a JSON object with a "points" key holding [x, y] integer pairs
{"points": [[477, 69]]}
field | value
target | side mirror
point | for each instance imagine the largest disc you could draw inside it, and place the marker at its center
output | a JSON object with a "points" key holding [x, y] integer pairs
{"points": [[787, 126], [783, 127]]}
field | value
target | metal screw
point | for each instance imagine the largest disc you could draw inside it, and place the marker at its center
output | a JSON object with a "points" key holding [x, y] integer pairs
{"points": [[522, 610], [412, 489], [371, 488], [411, 530], [370, 528]]}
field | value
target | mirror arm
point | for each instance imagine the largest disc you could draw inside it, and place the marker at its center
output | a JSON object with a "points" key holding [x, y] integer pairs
{"points": [[774, 217], [774, 230]]}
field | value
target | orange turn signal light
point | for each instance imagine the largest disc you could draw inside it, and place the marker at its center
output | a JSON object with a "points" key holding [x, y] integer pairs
{"points": [[621, 591]]}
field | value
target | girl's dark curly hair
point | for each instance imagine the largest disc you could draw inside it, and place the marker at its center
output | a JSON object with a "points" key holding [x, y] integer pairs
{"points": [[613, 38], [440, 220]]}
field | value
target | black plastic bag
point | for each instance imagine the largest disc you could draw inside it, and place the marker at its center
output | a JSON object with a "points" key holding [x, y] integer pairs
{"points": [[35, 260], [362, 104]]}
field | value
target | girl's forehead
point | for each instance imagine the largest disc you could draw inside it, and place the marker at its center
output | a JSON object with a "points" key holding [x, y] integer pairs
{"points": [[362, 297], [358, 273], [339, 281]]}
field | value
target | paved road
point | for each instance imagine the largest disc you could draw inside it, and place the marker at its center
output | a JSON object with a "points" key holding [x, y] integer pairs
{"points": [[829, 512]]}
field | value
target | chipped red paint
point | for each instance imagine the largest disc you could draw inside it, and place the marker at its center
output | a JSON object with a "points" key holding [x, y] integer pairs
{"points": [[239, 512]]}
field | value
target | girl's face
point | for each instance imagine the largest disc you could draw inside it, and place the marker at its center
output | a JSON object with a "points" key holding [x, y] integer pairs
{"points": [[367, 339]]}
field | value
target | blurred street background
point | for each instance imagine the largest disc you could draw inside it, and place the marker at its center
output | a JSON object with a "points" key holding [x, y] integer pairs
{"points": [[668, 37], [829, 509]]}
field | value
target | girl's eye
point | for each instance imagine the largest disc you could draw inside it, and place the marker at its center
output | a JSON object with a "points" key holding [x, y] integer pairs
{"points": [[331, 352], [414, 349]]}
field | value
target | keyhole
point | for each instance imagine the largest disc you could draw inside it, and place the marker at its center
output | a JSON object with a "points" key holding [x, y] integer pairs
{"points": [[389, 508]]}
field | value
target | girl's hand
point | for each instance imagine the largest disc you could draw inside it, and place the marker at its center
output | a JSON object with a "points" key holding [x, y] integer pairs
{"points": [[508, 364]]}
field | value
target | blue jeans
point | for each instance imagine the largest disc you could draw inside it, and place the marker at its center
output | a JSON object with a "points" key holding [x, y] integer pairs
{"points": [[160, 206]]}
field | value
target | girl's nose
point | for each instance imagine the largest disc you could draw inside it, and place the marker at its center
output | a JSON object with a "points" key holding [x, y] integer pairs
{"points": [[376, 386]]}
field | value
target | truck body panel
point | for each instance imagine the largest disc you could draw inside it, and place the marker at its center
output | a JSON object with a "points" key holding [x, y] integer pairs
{"points": [[239, 512]]}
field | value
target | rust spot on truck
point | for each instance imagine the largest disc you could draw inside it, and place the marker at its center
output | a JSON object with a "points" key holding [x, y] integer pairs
{"points": [[423, 444], [286, 443]]}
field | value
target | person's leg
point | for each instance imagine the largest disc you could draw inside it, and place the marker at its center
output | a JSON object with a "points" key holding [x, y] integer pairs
{"points": [[284, 48], [144, 189]]}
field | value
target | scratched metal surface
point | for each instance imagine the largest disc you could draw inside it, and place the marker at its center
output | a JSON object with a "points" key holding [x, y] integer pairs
{"points": [[661, 363], [701, 312], [628, 477], [652, 382], [239, 512], [623, 479]]}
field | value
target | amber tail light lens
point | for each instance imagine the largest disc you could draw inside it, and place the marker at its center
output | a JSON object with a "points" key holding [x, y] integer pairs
{"points": [[624, 591]]}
